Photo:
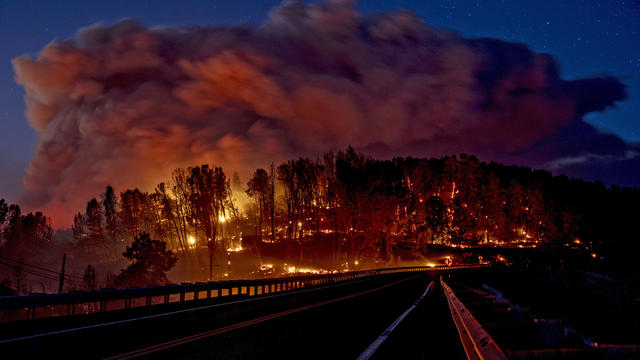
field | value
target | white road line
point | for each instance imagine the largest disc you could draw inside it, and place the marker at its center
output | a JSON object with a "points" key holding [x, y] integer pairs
{"points": [[376, 344], [181, 311]]}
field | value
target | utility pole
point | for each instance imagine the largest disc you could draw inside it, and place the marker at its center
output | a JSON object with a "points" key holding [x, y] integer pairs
{"points": [[64, 260], [272, 201], [212, 247]]}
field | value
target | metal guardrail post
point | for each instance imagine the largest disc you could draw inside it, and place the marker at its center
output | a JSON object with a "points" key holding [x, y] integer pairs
{"points": [[30, 304]]}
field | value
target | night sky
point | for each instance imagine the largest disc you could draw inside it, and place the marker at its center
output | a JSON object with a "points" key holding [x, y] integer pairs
{"points": [[586, 38]]}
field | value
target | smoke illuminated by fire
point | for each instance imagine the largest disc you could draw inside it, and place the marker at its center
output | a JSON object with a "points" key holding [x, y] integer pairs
{"points": [[125, 105]]}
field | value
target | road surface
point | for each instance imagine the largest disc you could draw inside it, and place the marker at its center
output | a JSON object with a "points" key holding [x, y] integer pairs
{"points": [[340, 321]]}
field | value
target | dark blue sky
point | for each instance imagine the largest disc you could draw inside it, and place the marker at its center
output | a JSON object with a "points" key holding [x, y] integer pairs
{"points": [[587, 37]]}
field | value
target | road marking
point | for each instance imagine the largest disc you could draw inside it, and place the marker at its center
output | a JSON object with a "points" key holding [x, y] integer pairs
{"points": [[57, 332], [202, 335], [376, 344]]}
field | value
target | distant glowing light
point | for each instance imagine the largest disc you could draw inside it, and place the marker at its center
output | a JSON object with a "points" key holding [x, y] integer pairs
{"points": [[235, 249], [192, 240], [297, 270], [222, 219], [356, 262], [594, 255]]}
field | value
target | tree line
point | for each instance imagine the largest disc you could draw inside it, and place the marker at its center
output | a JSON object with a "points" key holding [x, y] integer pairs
{"points": [[353, 207]]}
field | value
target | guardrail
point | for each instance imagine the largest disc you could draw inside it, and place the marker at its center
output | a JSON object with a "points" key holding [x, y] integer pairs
{"points": [[86, 302], [477, 343]]}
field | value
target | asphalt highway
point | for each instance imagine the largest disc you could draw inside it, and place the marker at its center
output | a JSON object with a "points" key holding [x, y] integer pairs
{"points": [[399, 316]]}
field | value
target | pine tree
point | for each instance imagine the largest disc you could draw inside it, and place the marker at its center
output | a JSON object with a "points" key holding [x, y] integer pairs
{"points": [[110, 203]]}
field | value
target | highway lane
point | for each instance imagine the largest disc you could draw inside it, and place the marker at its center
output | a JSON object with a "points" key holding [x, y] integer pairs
{"points": [[428, 333], [335, 322]]}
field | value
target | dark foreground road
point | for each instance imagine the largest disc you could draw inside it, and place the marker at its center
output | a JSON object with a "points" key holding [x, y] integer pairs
{"points": [[336, 322]]}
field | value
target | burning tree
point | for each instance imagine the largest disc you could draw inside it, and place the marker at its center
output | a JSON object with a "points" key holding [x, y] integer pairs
{"points": [[208, 191], [259, 188]]}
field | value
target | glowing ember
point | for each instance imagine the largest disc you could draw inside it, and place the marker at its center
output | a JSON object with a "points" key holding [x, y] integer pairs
{"points": [[235, 249]]}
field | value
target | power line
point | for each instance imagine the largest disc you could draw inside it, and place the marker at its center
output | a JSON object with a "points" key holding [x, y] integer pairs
{"points": [[28, 271], [22, 263], [34, 266], [40, 274]]}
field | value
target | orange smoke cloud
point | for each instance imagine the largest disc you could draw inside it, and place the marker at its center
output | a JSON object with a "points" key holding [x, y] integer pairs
{"points": [[124, 105]]}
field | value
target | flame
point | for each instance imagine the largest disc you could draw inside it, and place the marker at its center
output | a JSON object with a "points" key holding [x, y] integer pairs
{"points": [[222, 219], [297, 270], [192, 240]]}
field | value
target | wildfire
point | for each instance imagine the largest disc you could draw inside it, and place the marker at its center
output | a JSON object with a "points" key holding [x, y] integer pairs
{"points": [[222, 219], [235, 249], [297, 270], [192, 240]]}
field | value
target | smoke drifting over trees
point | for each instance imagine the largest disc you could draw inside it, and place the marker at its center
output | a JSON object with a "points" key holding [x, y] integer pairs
{"points": [[124, 105]]}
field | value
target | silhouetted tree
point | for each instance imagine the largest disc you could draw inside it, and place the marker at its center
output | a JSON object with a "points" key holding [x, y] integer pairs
{"points": [[93, 222], [132, 214], [78, 227], [208, 190], [25, 235], [259, 188], [89, 278], [4, 211], [110, 203], [150, 262]]}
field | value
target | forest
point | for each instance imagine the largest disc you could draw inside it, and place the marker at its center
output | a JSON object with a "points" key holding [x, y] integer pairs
{"points": [[343, 207]]}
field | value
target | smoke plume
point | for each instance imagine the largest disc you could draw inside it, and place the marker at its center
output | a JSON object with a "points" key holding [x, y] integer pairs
{"points": [[124, 105]]}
